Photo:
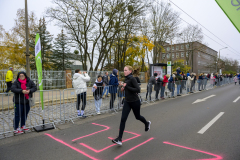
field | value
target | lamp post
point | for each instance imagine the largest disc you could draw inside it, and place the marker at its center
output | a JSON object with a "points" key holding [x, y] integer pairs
{"points": [[219, 56], [27, 42]]}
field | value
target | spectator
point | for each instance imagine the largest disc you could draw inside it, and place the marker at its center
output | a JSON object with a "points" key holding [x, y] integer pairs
{"points": [[178, 71], [97, 93], [164, 82], [178, 79], [120, 93], [113, 84], [189, 83], [80, 86], [157, 87], [188, 74], [200, 79], [235, 79], [239, 78], [171, 84], [105, 82], [152, 81], [183, 82], [23, 89], [212, 80], [9, 78], [205, 79]]}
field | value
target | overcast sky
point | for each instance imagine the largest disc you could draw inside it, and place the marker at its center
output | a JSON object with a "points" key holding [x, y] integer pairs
{"points": [[206, 12]]}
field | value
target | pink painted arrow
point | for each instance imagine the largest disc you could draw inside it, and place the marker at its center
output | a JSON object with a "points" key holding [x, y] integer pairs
{"points": [[217, 157]]}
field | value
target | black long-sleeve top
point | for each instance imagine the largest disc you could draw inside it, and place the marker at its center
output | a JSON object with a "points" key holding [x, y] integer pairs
{"points": [[131, 89]]}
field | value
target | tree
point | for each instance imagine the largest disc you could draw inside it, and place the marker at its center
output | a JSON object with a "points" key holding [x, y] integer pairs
{"points": [[61, 53], [46, 46], [165, 24], [96, 26], [180, 63]]}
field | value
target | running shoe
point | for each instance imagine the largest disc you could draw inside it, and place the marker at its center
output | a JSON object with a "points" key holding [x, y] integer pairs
{"points": [[117, 141], [18, 131], [147, 128], [98, 113], [23, 128]]}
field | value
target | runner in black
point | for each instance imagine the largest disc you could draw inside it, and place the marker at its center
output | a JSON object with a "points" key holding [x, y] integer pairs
{"points": [[132, 101]]}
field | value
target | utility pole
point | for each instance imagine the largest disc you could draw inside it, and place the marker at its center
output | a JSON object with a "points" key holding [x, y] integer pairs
{"points": [[219, 57], [27, 42]]}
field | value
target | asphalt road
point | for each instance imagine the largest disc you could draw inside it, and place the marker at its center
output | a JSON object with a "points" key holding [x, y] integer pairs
{"points": [[174, 135]]}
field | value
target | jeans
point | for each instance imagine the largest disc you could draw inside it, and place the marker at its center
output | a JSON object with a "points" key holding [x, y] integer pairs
{"points": [[150, 92], [157, 92], [104, 90], [9, 85], [199, 84], [178, 89], [81, 96], [113, 97], [21, 113], [162, 91], [173, 89], [98, 104]]}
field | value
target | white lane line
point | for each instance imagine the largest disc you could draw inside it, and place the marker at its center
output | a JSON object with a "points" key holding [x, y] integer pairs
{"points": [[236, 100], [210, 123]]}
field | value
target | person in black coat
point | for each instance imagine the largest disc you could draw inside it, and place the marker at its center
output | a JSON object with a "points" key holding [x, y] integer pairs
{"points": [[23, 89], [157, 87]]}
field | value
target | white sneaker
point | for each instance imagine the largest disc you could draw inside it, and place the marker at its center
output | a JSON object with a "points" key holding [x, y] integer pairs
{"points": [[148, 127], [18, 131], [98, 113]]}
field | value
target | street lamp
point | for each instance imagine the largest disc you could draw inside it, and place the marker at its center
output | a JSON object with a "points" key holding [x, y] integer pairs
{"points": [[219, 55], [27, 43]]}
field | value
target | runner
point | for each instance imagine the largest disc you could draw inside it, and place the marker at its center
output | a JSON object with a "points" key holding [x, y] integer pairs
{"points": [[132, 101]]}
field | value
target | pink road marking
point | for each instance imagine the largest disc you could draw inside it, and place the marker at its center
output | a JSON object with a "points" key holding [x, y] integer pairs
{"points": [[85, 154], [217, 157], [107, 128], [97, 151], [132, 149]]}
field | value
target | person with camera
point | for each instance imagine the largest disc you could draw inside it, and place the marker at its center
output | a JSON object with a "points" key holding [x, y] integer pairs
{"points": [[80, 85], [23, 89]]}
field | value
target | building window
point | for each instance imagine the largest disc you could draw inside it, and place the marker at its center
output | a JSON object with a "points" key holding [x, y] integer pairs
{"points": [[186, 63], [173, 55], [187, 46], [177, 47], [186, 54], [177, 55], [163, 56], [172, 48], [167, 55], [168, 48], [199, 54], [199, 63], [182, 46], [182, 54]]}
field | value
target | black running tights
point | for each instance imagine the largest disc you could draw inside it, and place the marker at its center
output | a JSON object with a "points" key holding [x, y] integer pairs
{"points": [[135, 106]]}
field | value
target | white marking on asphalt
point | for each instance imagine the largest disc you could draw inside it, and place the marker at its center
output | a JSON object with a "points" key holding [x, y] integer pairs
{"points": [[210, 123], [204, 99], [236, 100]]}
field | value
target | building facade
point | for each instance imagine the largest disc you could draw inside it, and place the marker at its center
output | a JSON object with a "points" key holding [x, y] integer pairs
{"points": [[201, 58]]}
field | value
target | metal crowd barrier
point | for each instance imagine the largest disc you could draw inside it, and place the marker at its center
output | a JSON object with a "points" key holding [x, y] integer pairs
{"points": [[61, 106]]}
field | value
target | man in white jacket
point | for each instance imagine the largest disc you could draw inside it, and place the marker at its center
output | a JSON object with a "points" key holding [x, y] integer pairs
{"points": [[80, 86]]}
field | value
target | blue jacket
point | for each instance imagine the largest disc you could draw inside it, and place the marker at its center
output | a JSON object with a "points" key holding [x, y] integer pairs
{"points": [[113, 84], [171, 83], [239, 76], [188, 74]]}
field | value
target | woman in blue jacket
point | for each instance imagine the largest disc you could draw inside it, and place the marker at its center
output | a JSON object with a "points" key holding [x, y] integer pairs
{"points": [[171, 84], [113, 84]]}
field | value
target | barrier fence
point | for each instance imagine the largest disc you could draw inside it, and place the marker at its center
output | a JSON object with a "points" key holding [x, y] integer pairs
{"points": [[60, 106]]}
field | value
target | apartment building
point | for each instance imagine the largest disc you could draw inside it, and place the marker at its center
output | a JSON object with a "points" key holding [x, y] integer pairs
{"points": [[201, 58]]}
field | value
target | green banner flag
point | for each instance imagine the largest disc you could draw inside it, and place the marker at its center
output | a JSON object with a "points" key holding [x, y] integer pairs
{"points": [[232, 9], [38, 59]]}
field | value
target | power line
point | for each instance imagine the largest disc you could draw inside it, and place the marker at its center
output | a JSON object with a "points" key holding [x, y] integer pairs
{"points": [[204, 28]]}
